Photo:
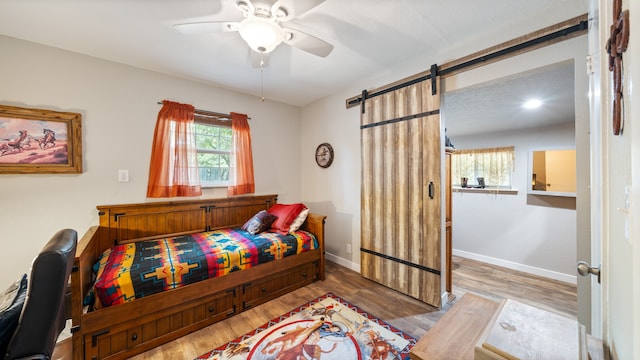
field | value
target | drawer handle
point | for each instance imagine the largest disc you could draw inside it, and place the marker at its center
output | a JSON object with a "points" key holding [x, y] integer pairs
{"points": [[94, 336], [304, 274], [264, 289], [211, 309], [134, 337]]}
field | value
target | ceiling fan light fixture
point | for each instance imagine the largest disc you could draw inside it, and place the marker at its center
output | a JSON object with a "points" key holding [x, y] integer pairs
{"points": [[244, 7], [532, 104], [261, 34], [281, 13]]}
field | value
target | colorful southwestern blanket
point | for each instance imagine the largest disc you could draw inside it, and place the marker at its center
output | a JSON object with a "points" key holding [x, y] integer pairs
{"points": [[135, 270], [327, 328]]}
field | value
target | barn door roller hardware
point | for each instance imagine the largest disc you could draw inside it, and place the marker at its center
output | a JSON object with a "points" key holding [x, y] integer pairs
{"points": [[550, 35]]}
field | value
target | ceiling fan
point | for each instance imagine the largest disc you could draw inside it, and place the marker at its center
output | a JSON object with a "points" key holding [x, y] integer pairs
{"points": [[263, 27]]}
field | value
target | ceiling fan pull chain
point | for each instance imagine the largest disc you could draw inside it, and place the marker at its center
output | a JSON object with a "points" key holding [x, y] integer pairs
{"points": [[261, 77]]}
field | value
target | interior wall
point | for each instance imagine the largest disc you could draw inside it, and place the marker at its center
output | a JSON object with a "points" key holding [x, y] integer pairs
{"points": [[620, 193], [334, 190], [337, 189], [531, 233], [631, 272], [119, 107]]}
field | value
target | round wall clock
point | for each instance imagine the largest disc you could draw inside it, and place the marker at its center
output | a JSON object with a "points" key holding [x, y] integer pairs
{"points": [[324, 155]]}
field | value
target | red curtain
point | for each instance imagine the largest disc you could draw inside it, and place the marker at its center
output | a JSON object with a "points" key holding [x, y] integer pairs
{"points": [[174, 165], [241, 175]]}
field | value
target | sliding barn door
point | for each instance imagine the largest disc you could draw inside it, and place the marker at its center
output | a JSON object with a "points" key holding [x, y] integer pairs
{"points": [[401, 192]]}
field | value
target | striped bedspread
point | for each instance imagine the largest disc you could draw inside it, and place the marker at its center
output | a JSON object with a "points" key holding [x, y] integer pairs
{"points": [[130, 271]]}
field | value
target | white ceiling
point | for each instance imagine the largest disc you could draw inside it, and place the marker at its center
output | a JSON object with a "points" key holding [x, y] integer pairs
{"points": [[370, 36], [498, 105]]}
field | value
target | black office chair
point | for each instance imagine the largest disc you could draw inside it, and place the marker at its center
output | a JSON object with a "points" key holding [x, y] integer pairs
{"points": [[43, 314]]}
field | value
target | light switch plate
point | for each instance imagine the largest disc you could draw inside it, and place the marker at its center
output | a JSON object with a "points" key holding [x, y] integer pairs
{"points": [[123, 175]]}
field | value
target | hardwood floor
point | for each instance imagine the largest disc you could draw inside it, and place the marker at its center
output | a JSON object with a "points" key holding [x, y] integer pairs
{"points": [[498, 283], [403, 312]]}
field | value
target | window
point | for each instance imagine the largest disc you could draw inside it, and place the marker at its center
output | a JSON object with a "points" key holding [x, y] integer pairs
{"points": [[213, 144], [495, 165], [195, 148]]}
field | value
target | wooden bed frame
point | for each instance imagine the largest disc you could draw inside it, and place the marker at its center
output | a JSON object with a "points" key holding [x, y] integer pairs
{"points": [[122, 331]]}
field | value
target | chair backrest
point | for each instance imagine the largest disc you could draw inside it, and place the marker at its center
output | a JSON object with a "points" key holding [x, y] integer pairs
{"points": [[43, 315]]}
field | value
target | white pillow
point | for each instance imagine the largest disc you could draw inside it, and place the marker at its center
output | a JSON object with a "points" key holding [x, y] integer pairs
{"points": [[295, 225]]}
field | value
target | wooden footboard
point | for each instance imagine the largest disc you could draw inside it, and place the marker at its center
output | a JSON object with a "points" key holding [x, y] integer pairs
{"points": [[121, 331]]}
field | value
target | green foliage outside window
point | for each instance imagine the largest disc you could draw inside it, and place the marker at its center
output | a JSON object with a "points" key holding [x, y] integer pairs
{"points": [[213, 144]]}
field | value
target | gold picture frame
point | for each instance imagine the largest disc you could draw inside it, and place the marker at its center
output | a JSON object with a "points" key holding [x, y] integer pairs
{"points": [[38, 141]]}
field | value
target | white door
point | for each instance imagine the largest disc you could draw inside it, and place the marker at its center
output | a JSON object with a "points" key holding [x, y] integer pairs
{"points": [[591, 287], [615, 192]]}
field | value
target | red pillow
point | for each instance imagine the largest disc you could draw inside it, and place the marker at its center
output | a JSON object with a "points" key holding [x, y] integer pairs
{"points": [[286, 214]]}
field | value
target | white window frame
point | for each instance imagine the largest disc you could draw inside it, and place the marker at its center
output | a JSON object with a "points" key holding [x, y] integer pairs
{"points": [[214, 123]]}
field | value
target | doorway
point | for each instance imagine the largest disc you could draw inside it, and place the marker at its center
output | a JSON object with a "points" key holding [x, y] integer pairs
{"points": [[469, 122]]}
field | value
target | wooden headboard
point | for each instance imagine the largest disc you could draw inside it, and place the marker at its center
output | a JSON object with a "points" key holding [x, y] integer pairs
{"points": [[171, 218]]}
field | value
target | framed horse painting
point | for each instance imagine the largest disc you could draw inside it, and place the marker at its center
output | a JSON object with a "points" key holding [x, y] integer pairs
{"points": [[39, 141]]}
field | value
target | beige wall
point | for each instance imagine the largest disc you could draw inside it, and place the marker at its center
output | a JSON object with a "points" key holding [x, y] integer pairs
{"points": [[620, 193], [632, 272], [531, 233], [119, 107]]}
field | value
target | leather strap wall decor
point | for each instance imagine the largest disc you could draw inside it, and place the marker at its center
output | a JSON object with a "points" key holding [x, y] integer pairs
{"points": [[616, 45]]}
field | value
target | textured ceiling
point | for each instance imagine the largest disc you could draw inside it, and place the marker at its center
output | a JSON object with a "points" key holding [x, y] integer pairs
{"points": [[370, 36], [497, 105]]}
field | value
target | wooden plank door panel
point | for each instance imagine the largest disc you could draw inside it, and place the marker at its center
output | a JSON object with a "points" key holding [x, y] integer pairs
{"points": [[400, 216]]}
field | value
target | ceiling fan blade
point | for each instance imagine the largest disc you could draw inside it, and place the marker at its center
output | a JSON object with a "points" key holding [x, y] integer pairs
{"points": [[308, 43], [259, 60], [203, 27]]}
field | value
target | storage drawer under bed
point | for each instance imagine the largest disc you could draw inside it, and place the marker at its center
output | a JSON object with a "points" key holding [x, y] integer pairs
{"points": [[263, 290], [117, 341]]}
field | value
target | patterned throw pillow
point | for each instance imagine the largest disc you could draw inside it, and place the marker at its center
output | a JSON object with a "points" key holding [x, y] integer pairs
{"points": [[259, 222]]}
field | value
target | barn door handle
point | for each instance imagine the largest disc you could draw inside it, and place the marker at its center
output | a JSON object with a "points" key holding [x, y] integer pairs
{"points": [[431, 190]]}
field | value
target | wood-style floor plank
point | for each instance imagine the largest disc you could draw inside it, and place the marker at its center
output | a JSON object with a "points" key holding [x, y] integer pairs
{"points": [[408, 314], [498, 283]]}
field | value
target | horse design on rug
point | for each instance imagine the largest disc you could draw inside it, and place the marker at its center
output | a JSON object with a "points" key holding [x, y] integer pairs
{"points": [[302, 340], [236, 349], [382, 349], [328, 328]]}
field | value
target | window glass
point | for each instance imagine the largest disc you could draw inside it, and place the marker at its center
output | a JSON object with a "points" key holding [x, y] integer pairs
{"points": [[213, 144], [493, 167]]}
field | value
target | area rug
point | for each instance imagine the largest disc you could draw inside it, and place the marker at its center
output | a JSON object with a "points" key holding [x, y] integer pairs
{"points": [[327, 328]]}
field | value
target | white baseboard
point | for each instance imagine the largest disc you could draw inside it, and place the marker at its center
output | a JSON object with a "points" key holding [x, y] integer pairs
{"points": [[571, 279], [342, 261]]}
